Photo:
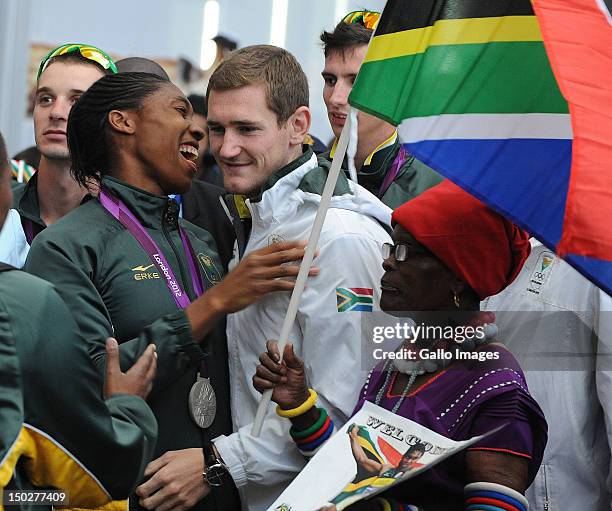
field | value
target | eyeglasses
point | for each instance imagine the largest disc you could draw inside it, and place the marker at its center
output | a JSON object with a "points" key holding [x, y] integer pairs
{"points": [[89, 52], [399, 250], [369, 19]]}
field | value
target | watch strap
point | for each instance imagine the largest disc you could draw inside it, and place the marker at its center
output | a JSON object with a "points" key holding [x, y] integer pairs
{"points": [[210, 458]]}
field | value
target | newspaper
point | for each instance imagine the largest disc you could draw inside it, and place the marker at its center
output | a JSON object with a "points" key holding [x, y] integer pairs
{"points": [[373, 451]]}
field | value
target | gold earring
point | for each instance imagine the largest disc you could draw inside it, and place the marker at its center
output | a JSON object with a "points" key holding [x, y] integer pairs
{"points": [[456, 300]]}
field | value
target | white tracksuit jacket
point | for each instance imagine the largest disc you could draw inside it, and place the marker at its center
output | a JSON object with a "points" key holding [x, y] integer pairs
{"points": [[329, 341], [13, 244], [559, 327]]}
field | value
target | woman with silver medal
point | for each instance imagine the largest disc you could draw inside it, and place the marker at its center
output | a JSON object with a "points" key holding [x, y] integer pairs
{"points": [[125, 262]]}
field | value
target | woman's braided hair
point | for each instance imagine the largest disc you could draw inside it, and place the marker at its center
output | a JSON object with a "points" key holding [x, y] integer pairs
{"points": [[88, 126]]}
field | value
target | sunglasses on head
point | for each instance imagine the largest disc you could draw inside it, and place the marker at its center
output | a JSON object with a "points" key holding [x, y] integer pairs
{"points": [[87, 51], [369, 19]]}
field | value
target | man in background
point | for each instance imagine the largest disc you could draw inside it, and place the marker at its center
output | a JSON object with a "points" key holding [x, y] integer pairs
{"points": [[208, 169], [64, 74], [383, 167]]}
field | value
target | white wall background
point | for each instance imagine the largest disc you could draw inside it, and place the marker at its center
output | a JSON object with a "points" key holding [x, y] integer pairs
{"points": [[154, 28]]}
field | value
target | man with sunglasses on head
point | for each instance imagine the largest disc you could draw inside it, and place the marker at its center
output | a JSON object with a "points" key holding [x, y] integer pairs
{"points": [[64, 74], [383, 167]]}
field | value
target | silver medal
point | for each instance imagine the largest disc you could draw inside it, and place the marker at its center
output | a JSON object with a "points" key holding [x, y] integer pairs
{"points": [[202, 402]]}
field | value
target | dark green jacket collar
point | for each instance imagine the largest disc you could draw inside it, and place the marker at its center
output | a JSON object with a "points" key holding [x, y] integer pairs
{"points": [[25, 201], [372, 175], [373, 172], [153, 211], [279, 174]]}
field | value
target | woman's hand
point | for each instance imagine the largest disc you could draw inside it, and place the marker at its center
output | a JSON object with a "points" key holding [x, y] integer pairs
{"points": [[287, 378], [137, 381], [261, 272]]}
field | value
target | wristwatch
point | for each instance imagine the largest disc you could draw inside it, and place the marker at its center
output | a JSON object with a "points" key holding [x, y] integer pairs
{"points": [[215, 473]]}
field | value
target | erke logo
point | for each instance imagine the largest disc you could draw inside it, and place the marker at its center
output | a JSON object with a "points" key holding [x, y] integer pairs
{"points": [[143, 274], [142, 268]]}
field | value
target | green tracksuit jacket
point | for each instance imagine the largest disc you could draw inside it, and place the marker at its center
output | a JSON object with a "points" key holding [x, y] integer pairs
{"points": [[112, 288], [59, 432]]}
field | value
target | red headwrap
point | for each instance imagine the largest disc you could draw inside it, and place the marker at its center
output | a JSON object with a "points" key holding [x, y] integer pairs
{"points": [[481, 247]]}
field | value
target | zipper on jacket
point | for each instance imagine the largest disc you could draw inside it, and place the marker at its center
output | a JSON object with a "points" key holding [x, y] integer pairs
{"points": [[546, 499], [238, 225], [169, 219]]}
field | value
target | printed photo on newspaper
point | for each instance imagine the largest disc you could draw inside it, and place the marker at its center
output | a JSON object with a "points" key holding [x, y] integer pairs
{"points": [[374, 450]]}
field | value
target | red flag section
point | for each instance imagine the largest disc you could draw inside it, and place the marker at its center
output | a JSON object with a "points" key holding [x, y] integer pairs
{"points": [[578, 40]]}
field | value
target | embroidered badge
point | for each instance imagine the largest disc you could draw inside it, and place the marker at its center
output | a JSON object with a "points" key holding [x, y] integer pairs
{"points": [[541, 272], [213, 275], [355, 299]]}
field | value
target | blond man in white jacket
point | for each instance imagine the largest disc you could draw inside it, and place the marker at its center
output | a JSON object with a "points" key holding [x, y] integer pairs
{"points": [[258, 118]]}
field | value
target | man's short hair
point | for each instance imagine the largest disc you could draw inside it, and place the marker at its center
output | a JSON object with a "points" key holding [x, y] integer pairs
{"points": [[275, 68], [141, 65], [345, 36], [198, 103]]}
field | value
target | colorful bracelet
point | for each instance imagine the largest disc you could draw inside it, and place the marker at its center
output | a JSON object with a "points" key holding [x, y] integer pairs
{"points": [[300, 410], [484, 496], [505, 498], [315, 435], [297, 435], [320, 440], [311, 453], [494, 499]]}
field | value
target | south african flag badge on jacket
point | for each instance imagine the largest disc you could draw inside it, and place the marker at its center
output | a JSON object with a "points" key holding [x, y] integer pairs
{"points": [[355, 299]]}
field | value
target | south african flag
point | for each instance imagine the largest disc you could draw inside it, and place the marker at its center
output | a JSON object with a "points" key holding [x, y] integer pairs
{"points": [[355, 299], [512, 100]]}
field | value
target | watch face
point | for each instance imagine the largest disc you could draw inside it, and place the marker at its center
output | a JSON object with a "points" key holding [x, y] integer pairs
{"points": [[216, 475]]}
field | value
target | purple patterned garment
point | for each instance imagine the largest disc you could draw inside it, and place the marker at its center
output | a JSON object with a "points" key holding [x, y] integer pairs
{"points": [[467, 399]]}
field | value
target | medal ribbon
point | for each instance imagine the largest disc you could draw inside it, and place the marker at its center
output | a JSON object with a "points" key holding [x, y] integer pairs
{"points": [[392, 174], [120, 211], [29, 230]]}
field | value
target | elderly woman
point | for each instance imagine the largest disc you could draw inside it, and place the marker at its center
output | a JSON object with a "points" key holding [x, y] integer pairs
{"points": [[449, 252]]}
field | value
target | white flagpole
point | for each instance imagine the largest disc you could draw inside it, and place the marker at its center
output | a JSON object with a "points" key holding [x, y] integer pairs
{"points": [[300, 282], [351, 150]]}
